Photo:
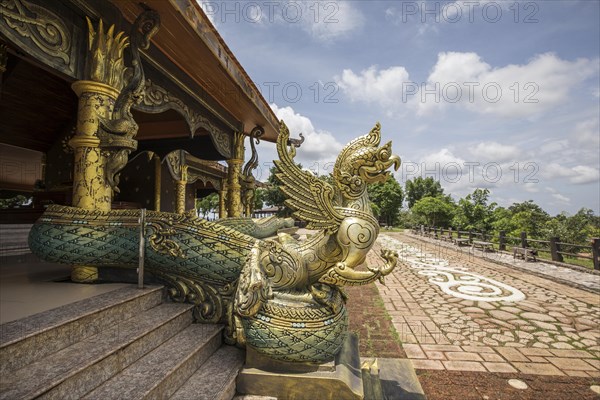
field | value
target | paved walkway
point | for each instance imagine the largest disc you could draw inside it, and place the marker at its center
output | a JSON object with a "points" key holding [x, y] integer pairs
{"points": [[454, 311], [572, 276]]}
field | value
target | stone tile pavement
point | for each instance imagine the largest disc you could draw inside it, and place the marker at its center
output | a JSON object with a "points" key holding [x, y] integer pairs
{"points": [[457, 312]]}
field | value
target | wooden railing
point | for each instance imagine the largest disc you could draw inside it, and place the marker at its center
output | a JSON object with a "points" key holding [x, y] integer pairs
{"points": [[552, 247]]}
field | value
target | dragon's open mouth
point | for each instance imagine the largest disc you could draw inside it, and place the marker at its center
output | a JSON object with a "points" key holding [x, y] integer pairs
{"points": [[378, 172]]}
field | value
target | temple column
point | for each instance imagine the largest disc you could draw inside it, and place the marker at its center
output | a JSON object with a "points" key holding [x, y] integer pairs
{"points": [[234, 189], [234, 172], [222, 198], [97, 95], [157, 182], [180, 190]]}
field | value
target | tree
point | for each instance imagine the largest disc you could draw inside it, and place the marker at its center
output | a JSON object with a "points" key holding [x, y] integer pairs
{"points": [[528, 217], [419, 188], [274, 197], [576, 229], [502, 220], [207, 204], [259, 198], [434, 211], [474, 212], [387, 197]]}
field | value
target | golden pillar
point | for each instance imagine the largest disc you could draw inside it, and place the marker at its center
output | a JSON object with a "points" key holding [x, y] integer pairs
{"points": [[157, 182], [104, 81], [234, 172], [180, 190], [234, 189], [222, 200]]}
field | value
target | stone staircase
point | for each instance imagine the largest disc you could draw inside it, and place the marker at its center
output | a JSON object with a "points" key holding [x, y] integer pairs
{"points": [[124, 344]]}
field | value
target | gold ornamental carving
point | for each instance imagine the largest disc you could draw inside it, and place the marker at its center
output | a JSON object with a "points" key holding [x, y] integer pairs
{"points": [[46, 30], [248, 181], [180, 189], [223, 201], [105, 62], [234, 171], [158, 99]]}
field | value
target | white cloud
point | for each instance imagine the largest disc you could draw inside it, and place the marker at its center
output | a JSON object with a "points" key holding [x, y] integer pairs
{"points": [[587, 133], [325, 22], [531, 187], [465, 80], [583, 174], [561, 199], [320, 147], [329, 21], [553, 146], [383, 87], [554, 170], [443, 157], [432, 16], [494, 151], [579, 174]]}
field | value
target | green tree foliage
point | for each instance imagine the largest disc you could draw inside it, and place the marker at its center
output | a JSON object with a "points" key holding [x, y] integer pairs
{"points": [[420, 187], [273, 196], [528, 217], [259, 198], [434, 211], [387, 197], [474, 212], [207, 204], [578, 229]]}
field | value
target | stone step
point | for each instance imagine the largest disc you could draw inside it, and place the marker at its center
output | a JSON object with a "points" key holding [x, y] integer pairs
{"points": [[14, 239], [215, 379], [76, 370], [30, 339], [161, 372]]}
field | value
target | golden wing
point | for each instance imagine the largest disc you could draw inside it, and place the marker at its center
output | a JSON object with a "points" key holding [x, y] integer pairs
{"points": [[311, 198]]}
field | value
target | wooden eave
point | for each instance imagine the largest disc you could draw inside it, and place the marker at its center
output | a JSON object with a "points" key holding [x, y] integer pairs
{"points": [[190, 41]]}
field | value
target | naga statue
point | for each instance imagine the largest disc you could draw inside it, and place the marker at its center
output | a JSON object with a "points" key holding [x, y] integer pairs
{"points": [[281, 297]]}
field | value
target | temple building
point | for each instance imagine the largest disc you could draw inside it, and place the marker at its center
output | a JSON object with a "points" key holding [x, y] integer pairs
{"points": [[115, 116], [58, 59]]}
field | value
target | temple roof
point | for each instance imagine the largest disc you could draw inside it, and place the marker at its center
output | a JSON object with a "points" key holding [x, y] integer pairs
{"points": [[190, 41]]}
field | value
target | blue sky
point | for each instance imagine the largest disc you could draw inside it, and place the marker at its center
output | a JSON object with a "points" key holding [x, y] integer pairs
{"points": [[496, 94]]}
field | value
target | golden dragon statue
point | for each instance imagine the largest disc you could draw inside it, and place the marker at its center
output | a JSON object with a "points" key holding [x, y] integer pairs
{"points": [[282, 297]]}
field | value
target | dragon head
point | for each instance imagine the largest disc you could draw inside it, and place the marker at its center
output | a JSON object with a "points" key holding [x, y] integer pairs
{"points": [[362, 161]]}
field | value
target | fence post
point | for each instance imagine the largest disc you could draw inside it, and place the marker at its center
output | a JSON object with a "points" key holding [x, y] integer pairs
{"points": [[458, 234], [422, 230], [554, 249], [502, 241], [524, 239], [470, 236], [435, 234], [450, 234], [596, 252]]}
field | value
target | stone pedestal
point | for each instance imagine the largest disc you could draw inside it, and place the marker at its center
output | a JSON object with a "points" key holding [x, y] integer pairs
{"points": [[347, 377], [338, 380]]}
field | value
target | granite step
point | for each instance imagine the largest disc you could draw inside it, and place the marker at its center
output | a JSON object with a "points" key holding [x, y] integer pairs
{"points": [[161, 372], [76, 370], [215, 379], [14, 239], [27, 340]]}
